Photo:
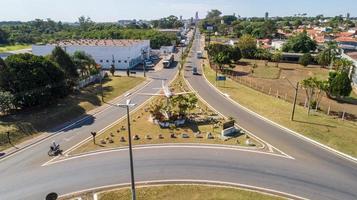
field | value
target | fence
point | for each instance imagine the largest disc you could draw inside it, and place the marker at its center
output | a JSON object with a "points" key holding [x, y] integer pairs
{"points": [[328, 106], [92, 79]]}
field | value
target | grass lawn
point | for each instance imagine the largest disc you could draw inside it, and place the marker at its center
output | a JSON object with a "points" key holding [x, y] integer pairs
{"points": [[186, 192], [142, 126], [338, 134], [13, 47], [268, 72], [29, 123]]}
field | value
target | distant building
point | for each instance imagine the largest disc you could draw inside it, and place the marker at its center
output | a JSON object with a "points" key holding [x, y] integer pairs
{"points": [[196, 17], [348, 16], [266, 16], [123, 54], [277, 44]]}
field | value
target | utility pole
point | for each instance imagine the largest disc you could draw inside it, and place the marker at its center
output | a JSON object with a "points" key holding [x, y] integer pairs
{"points": [[101, 83], [295, 97], [127, 106], [144, 62]]}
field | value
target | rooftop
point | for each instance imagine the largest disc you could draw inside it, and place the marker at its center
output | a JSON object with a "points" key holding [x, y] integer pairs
{"points": [[95, 42]]}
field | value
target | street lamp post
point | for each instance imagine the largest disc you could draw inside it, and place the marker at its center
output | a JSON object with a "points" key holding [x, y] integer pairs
{"points": [[127, 106], [295, 97], [144, 63]]}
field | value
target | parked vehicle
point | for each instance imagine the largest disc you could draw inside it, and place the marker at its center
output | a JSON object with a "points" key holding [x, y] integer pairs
{"points": [[168, 60]]}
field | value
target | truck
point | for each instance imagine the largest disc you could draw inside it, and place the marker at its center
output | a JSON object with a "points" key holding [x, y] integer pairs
{"points": [[199, 54], [168, 60]]}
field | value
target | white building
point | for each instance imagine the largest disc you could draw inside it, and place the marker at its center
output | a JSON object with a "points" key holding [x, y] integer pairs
{"points": [[123, 54], [277, 44]]}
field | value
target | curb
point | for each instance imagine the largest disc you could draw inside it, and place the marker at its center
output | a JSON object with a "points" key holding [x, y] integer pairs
{"points": [[209, 183], [92, 112], [334, 151]]}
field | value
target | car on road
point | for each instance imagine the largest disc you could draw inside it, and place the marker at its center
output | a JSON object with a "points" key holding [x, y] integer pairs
{"points": [[194, 71]]}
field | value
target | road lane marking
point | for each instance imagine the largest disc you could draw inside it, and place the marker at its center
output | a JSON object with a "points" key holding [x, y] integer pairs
{"points": [[163, 146], [212, 183], [311, 141], [263, 142], [51, 135], [110, 125]]}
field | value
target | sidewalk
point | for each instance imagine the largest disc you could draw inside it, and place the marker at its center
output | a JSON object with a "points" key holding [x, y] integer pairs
{"points": [[45, 135]]}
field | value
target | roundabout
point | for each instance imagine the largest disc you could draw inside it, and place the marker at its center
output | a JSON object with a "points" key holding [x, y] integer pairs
{"points": [[287, 165]]}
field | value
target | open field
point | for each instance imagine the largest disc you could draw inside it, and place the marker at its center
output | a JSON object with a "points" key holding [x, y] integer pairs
{"points": [[27, 124], [276, 83], [338, 134], [186, 192], [148, 132], [13, 47]]}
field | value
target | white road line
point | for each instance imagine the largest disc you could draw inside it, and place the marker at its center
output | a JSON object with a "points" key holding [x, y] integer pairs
{"points": [[117, 99], [162, 146], [247, 187], [334, 151], [109, 126], [263, 142]]}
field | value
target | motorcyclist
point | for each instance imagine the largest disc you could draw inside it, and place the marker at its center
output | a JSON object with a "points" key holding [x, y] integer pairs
{"points": [[55, 146]]}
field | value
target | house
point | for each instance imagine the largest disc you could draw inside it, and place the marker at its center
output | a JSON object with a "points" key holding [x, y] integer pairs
{"points": [[277, 44], [123, 54]]}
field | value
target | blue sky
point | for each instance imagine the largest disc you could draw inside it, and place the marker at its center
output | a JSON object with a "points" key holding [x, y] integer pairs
{"points": [[112, 10]]}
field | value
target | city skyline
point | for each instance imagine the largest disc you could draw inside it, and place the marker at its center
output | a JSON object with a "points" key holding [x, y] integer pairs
{"points": [[141, 9]]}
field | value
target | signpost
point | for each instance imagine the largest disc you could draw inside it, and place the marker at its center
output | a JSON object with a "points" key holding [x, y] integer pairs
{"points": [[228, 124], [221, 78], [93, 134]]}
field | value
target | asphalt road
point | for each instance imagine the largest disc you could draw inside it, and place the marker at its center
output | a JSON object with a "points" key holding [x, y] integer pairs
{"points": [[314, 173]]}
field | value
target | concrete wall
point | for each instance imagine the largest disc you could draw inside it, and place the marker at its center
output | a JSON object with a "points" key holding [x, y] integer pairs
{"points": [[353, 71], [124, 57]]}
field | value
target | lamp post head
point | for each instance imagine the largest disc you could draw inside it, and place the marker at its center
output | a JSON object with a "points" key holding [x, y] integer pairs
{"points": [[127, 104]]}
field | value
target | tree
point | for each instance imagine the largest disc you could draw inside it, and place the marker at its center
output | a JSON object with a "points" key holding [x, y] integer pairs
{"points": [[248, 45], [4, 36], [300, 43], [343, 64], [235, 54], [313, 89], [85, 23], [33, 80], [263, 54], [305, 59], [222, 59], [339, 84], [65, 62], [6, 102], [85, 63], [328, 54], [112, 70], [213, 14], [277, 57]]}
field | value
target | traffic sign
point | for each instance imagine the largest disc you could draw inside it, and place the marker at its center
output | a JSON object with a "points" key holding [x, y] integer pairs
{"points": [[221, 78]]}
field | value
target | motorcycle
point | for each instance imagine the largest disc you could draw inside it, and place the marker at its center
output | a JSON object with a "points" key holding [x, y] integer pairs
{"points": [[55, 151]]}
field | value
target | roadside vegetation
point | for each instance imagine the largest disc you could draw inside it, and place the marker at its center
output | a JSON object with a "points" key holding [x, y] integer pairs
{"points": [[192, 192], [202, 125], [39, 93], [335, 133], [44, 31], [6, 48]]}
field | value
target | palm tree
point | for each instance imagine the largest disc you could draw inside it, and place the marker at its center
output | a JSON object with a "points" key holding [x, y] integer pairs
{"points": [[343, 64], [277, 57], [328, 54], [84, 62]]}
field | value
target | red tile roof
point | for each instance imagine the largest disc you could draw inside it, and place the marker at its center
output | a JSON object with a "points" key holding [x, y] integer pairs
{"points": [[95, 42], [346, 39]]}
